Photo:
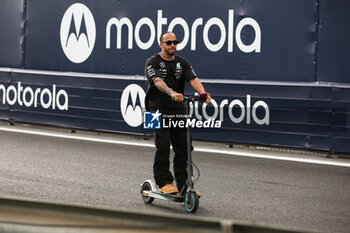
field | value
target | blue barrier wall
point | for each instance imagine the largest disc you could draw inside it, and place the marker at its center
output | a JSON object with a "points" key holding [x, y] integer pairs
{"points": [[285, 52], [277, 70], [12, 23], [334, 48]]}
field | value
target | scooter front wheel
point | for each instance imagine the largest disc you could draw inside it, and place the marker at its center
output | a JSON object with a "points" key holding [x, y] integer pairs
{"points": [[191, 202], [147, 187]]}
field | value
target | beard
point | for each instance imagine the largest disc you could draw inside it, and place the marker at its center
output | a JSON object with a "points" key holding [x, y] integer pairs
{"points": [[171, 51]]}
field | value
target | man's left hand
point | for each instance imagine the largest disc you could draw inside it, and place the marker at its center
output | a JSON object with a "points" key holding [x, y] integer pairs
{"points": [[207, 101]]}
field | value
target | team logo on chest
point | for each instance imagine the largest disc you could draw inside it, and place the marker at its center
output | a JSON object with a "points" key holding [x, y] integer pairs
{"points": [[162, 65], [178, 70]]}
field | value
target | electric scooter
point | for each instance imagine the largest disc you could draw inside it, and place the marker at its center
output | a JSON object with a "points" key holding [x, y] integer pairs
{"points": [[187, 195]]}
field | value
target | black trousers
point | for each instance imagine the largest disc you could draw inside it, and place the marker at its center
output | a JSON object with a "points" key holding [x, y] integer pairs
{"points": [[177, 138]]}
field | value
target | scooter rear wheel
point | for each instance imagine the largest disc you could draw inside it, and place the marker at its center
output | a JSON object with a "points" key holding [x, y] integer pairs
{"points": [[191, 202], [147, 187]]}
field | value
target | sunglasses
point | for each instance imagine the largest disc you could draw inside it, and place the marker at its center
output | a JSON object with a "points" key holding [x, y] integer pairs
{"points": [[169, 42]]}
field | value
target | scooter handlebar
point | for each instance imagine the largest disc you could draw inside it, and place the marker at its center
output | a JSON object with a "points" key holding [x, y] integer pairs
{"points": [[200, 98]]}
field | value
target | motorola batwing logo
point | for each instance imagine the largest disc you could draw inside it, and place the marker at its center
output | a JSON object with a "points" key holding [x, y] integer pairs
{"points": [[132, 104], [78, 33]]}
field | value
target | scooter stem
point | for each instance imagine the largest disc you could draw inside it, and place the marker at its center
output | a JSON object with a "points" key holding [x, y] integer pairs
{"points": [[189, 181]]}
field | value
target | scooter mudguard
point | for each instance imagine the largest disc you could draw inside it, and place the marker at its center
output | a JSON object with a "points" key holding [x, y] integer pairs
{"points": [[153, 185]]}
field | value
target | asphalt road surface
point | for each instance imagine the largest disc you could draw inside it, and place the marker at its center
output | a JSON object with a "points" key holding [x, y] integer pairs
{"points": [[279, 193]]}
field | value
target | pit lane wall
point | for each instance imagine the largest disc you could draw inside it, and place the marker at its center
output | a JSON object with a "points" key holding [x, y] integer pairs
{"points": [[277, 70], [28, 216]]}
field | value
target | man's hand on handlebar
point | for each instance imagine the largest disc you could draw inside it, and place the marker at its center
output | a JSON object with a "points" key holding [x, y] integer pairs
{"points": [[207, 101], [175, 96], [204, 97]]}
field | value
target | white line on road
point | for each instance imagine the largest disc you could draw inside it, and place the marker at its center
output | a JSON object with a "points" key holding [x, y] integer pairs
{"points": [[321, 161]]}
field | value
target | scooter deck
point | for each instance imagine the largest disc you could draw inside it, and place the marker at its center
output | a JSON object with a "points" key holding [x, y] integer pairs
{"points": [[170, 197]]}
